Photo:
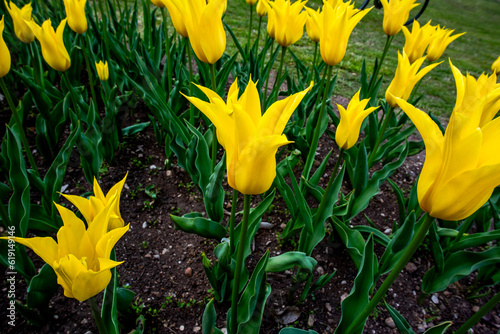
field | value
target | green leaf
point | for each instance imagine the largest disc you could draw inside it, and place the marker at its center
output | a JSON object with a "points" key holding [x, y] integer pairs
{"points": [[214, 193], [109, 311], [474, 240], [358, 299], [439, 329], [41, 288], [437, 251], [200, 226], [289, 260], [209, 318], [457, 266], [134, 129], [290, 330], [352, 239], [401, 323]]}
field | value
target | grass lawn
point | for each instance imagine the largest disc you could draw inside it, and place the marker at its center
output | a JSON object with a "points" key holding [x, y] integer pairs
{"points": [[474, 52]]}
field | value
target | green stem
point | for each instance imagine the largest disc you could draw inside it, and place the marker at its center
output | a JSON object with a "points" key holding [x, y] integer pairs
{"points": [[72, 94], [232, 219], [214, 137], [250, 27], [315, 139], [320, 90], [264, 98], [314, 58], [280, 70], [86, 47], [97, 316], [167, 47], [19, 123], [403, 260], [190, 64], [239, 265], [37, 67], [258, 36], [385, 123], [105, 29], [388, 42], [479, 314]]}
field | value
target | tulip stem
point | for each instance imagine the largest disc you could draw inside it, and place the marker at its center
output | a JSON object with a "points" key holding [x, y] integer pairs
{"points": [[277, 82], [479, 314], [37, 68], [86, 47], [264, 98], [167, 51], [239, 265], [250, 27], [97, 316], [72, 94], [314, 58], [315, 138], [232, 219], [190, 64], [403, 260], [258, 36], [214, 137], [19, 123], [385, 123], [388, 42]]}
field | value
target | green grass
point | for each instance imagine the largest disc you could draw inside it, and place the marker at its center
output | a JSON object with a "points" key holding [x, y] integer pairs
{"points": [[474, 52]]}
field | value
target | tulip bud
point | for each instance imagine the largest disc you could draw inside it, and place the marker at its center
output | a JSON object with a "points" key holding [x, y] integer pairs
{"points": [[396, 13], [417, 40], [75, 11], [312, 24], [495, 67], [261, 8], [4, 52], [440, 40], [102, 70], [288, 21], [19, 16]]}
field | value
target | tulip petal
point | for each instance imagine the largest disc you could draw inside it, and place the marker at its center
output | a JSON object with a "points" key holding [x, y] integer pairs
{"points": [[108, 241], [45, 247]]}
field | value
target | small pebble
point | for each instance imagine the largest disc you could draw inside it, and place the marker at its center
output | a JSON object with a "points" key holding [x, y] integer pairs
{"points": [[475, 309], [344, 296], [196, 329], [435, 299], [390, 323], [148, 255], [328, 307], [145, 224], [188, 272], [320, 271], [181, 328], [164, 251], [156, 256], [411, 267], [311, 320], [169, 173]]}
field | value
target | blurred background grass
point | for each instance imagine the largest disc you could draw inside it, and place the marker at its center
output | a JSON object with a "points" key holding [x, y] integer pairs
{"points": [[474, 52]]}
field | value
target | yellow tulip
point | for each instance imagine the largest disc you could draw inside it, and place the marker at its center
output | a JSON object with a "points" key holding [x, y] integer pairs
{"points": [[178, 11], [271, 16], [158, 3], [22, 30], [440, 41], [75, 11], [405, 78], [53, 50], [261, 8], [289, 21], [251, 2], [80, 257], [417, 40], [396, 13], [336, 23], [312, 24], [224, 5], [91, 207], [4, 52], [249, 138], [462, 168], [204, 27], [495, 67], [102, 70], [350, 121]]}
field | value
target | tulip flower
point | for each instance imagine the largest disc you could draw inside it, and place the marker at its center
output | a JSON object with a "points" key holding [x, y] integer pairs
{"points": [[462, 167], [102, 70], [249, 137], [350, 121], [53, 50], [251, 2], [75, 11], [440, 41], [19, 16], [418, 39], [288, 21], [80, 257], [407, 75], [336, 23], [396, 13], [261, 8], [312, 24], [204, 27], [91, 207], [495, 67], [178, 12], [4, 52], [271, 16]]}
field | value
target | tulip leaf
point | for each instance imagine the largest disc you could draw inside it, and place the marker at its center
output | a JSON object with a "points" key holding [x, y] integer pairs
{"points": [[290, 330], [400, 199], [358, 299], [19, 203], [41, 288], [209, 318], [380, 237], [200, 226], [474, 240], [40, 220], [109, 310], [439, 329], [23, 264], [436, 249], [289, 260], [400, 322], [352, 239], [457, 266], [213, 195]]}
